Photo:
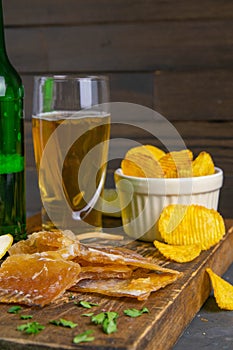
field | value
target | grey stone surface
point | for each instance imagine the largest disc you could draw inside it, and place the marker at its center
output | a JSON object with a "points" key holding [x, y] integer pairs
{"points": [[211, 328]]}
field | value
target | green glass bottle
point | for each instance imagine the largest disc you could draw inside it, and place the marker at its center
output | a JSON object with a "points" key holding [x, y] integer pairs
{"points": [[12, 179]]}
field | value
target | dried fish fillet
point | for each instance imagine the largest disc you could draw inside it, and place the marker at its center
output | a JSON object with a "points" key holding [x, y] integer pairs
{"points": [[43, 241], [103, 272], [118, 256], [34, 279], [85, 255], [135, 287], [43, 267]]}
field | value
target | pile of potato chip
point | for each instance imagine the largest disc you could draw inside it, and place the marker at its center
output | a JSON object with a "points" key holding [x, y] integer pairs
{"points": [[150, 161], [187, 230]]}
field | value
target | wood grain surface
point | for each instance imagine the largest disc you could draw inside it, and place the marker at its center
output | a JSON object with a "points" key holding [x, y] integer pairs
{"points": [[53, 12], [176, 60], [170, 309]]}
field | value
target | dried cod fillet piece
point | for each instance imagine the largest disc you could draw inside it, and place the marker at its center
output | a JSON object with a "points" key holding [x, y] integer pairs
{"points": [[66, 248], [177, 164], [138, 287], [118, 256], [203, 165], [179, 253], [223, 291], [68, 253], [193, 224], [104, 272], [32, 279], [43, 241]]}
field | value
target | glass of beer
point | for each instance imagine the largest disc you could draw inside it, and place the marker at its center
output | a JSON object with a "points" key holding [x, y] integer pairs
{"points": [[71, 129]]}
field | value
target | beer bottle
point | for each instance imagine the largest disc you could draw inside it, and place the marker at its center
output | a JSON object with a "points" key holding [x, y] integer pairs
{"points": [[12, 179]]}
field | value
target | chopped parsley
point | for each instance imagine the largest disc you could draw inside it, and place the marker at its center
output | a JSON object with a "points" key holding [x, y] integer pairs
{"points": [[107, 320], [83, 337], [31, 328], [135, 312], [14, 309], [25, 317], [86, 304], [63, 323]]}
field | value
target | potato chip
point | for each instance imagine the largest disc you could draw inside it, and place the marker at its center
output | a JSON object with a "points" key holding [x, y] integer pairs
{"points": [[191, 224], [156, 152], [203, 165], [131, 169], [179, 253], [141, 164], [223, 291], [177, 164]]}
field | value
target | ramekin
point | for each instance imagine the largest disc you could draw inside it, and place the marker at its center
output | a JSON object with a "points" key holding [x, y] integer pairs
{"points": [[143, 199]]}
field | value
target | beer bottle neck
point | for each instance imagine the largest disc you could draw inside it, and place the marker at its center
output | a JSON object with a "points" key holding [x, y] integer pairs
{"points": [[3, 53]]}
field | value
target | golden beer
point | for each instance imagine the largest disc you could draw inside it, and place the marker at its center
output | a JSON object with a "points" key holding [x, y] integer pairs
{"points": [[93, 130]]}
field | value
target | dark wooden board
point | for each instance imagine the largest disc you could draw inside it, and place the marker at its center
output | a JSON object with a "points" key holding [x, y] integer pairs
{"points": [[194, 95], [89, 11], [122, 47], [171, 309]]}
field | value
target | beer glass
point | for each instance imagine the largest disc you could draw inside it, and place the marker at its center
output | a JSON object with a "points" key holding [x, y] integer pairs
{"points": [[71, 128]]}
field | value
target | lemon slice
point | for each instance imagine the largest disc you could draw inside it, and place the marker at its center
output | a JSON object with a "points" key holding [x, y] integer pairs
{"points": [[5, 243]]}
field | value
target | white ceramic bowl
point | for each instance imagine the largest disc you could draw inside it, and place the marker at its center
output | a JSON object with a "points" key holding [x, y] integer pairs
{"points": [[143, 199]]}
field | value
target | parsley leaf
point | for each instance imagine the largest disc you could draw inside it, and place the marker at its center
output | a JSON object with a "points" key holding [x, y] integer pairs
{"points": [[83, 337], [109, 326], [98, 319], [111, 315], [31, 328], [25, 317], [107, 320], [63, 323], [87, 304], [14, 309], [88, 315], [135, 312]]}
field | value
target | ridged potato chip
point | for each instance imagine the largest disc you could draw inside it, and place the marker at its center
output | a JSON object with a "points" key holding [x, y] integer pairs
{"points": [[191, 224], [131, 169], [155, 152], [203, 165], [141, 163], [177, 164], [223, 291], [151, 161], [178, 253]]}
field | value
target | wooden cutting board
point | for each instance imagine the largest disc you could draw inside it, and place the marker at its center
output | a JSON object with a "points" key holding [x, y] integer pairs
{"points": [[170, 309]]}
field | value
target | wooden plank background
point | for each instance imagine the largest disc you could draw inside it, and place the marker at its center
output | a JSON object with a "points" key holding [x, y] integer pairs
{"points": [[176, 58]]}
